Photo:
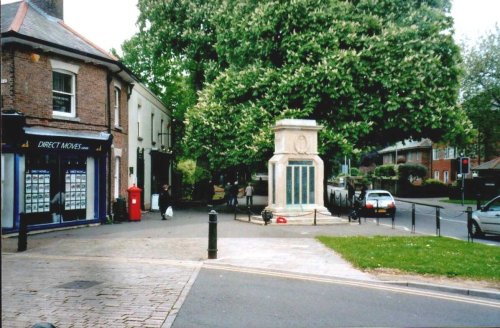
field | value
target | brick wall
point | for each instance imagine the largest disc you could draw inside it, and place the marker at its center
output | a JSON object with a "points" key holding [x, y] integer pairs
{"points": [[29, 90], [443, 165]]}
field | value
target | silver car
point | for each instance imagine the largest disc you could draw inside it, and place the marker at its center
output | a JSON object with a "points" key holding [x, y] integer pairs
{"points": [[487, 219]]}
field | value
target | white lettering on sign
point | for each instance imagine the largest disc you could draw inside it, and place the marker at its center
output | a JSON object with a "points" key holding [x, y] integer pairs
{"points": [[61, 145], [48, 144], [71, 145]]}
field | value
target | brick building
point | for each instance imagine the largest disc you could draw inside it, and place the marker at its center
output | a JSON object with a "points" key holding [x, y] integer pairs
{"points": [[64, 120], [409, 152]]}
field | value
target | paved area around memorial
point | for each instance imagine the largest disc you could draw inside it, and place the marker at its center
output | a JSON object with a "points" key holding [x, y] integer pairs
{"points": [[137, 274]]}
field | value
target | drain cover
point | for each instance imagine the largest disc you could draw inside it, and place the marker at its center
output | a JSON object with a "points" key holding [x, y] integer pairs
{"points": [[79, 284]]}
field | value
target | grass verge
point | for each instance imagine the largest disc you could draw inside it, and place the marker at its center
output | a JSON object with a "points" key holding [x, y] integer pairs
{"points": [[421, 255]]}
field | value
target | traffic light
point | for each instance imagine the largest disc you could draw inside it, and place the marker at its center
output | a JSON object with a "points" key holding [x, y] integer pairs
{"points": [[464, 161], [463, 164]]}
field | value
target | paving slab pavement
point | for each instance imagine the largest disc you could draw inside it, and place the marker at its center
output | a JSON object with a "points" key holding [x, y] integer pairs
{"points": [[137, 274]]}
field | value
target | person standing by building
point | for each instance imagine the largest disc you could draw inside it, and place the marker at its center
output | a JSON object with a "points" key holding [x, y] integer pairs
{"points": [[165, 200], [249, 193], [350, 192]]}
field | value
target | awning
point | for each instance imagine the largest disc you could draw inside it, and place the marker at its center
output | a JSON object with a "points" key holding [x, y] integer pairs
{"points": [[53, 140]]}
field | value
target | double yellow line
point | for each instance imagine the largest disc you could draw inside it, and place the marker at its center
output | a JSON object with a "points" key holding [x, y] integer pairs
{"points": [[358, 283]]}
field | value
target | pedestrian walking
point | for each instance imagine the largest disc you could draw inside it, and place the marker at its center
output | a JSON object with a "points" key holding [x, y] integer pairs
{"points": [[234, 194], [165, 200], [363, 192], [210, 192], [227, 194], [249, 194]]}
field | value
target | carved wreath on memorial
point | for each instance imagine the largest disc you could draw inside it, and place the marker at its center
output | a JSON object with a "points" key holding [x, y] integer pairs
{"points": [[301, 144]]}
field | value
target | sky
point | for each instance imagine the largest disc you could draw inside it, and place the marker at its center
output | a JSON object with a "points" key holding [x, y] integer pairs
{"points": [[116, 20]]}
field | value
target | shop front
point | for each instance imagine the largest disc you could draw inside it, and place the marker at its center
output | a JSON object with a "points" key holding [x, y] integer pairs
{"points": [[58, 179]]}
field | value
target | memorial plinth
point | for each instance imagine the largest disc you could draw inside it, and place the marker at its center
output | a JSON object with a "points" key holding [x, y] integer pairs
{"points": [[296, 172]]}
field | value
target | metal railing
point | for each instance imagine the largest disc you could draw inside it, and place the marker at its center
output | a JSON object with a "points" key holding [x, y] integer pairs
{"points": [[413, 214]]}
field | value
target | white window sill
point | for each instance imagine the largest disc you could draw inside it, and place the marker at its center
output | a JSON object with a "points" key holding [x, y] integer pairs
{"points": [[64, 117]]}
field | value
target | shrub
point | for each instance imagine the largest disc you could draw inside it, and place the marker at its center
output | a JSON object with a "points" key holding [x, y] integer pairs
{"points": [[411, 172], [355, 172], [387, 170]]}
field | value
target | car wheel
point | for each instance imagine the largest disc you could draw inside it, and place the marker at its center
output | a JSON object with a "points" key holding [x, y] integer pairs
{"points": [[476, 230]]}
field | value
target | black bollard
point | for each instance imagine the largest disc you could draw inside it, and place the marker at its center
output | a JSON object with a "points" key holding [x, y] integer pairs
{"points": [[438, 222], [43, 325], [22, 239], [470, 236], [212, 234], [267, 216], [412, 218]]}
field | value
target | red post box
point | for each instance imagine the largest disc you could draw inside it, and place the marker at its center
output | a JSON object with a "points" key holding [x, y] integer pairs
{"points": [[134, 203]]}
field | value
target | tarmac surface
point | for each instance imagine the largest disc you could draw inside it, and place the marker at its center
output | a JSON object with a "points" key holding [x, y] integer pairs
{"points": [[137, 274]]}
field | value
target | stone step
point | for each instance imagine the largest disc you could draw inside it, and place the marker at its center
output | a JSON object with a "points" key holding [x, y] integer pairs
{"points": [[303, 220]]}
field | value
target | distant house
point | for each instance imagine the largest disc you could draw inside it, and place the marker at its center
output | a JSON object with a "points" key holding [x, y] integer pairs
{"points": [[414, 152], [438, 158]]}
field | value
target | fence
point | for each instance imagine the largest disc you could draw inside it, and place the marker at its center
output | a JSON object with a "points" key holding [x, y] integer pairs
{"points": [[340, 206]]}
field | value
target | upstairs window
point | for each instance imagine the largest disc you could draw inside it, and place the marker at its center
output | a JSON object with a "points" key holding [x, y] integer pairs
{"points": [[450, 153], [117, 106], [63, 93]]}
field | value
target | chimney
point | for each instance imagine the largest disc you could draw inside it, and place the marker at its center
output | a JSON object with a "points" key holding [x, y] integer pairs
{"points": [[51, 7]]}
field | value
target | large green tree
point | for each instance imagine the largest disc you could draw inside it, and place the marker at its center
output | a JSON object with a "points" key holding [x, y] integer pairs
{"points": [[481, 92], [371, 72]]}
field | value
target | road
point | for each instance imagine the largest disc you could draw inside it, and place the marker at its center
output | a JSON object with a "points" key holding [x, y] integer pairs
{"points": [[232, 297], [452, 218]]}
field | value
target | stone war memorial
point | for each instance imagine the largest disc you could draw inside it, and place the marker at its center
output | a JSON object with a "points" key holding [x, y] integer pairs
{"points": [[296, 175]]}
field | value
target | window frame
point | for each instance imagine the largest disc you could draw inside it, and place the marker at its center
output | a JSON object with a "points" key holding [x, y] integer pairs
{"points": [[117, 93], [437, 175], [72, 112], [117, 177]]}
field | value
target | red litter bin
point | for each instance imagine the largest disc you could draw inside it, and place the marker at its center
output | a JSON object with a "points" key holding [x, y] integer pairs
{"points": [[134, 203]]}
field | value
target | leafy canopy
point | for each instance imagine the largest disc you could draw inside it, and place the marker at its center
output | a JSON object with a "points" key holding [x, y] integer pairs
{"points": [[481, 91], [371, 72]]}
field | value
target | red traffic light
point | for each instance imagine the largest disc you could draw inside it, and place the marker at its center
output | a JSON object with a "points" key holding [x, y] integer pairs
{"points": [[465, 161]]}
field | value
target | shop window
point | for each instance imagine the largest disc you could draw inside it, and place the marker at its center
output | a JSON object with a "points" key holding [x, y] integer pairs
{"points": [[55, 188], [63, 93], [117, 106]]}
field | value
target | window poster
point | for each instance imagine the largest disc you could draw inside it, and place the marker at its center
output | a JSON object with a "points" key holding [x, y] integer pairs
{"points": [[37, 191], [76, 190]]}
